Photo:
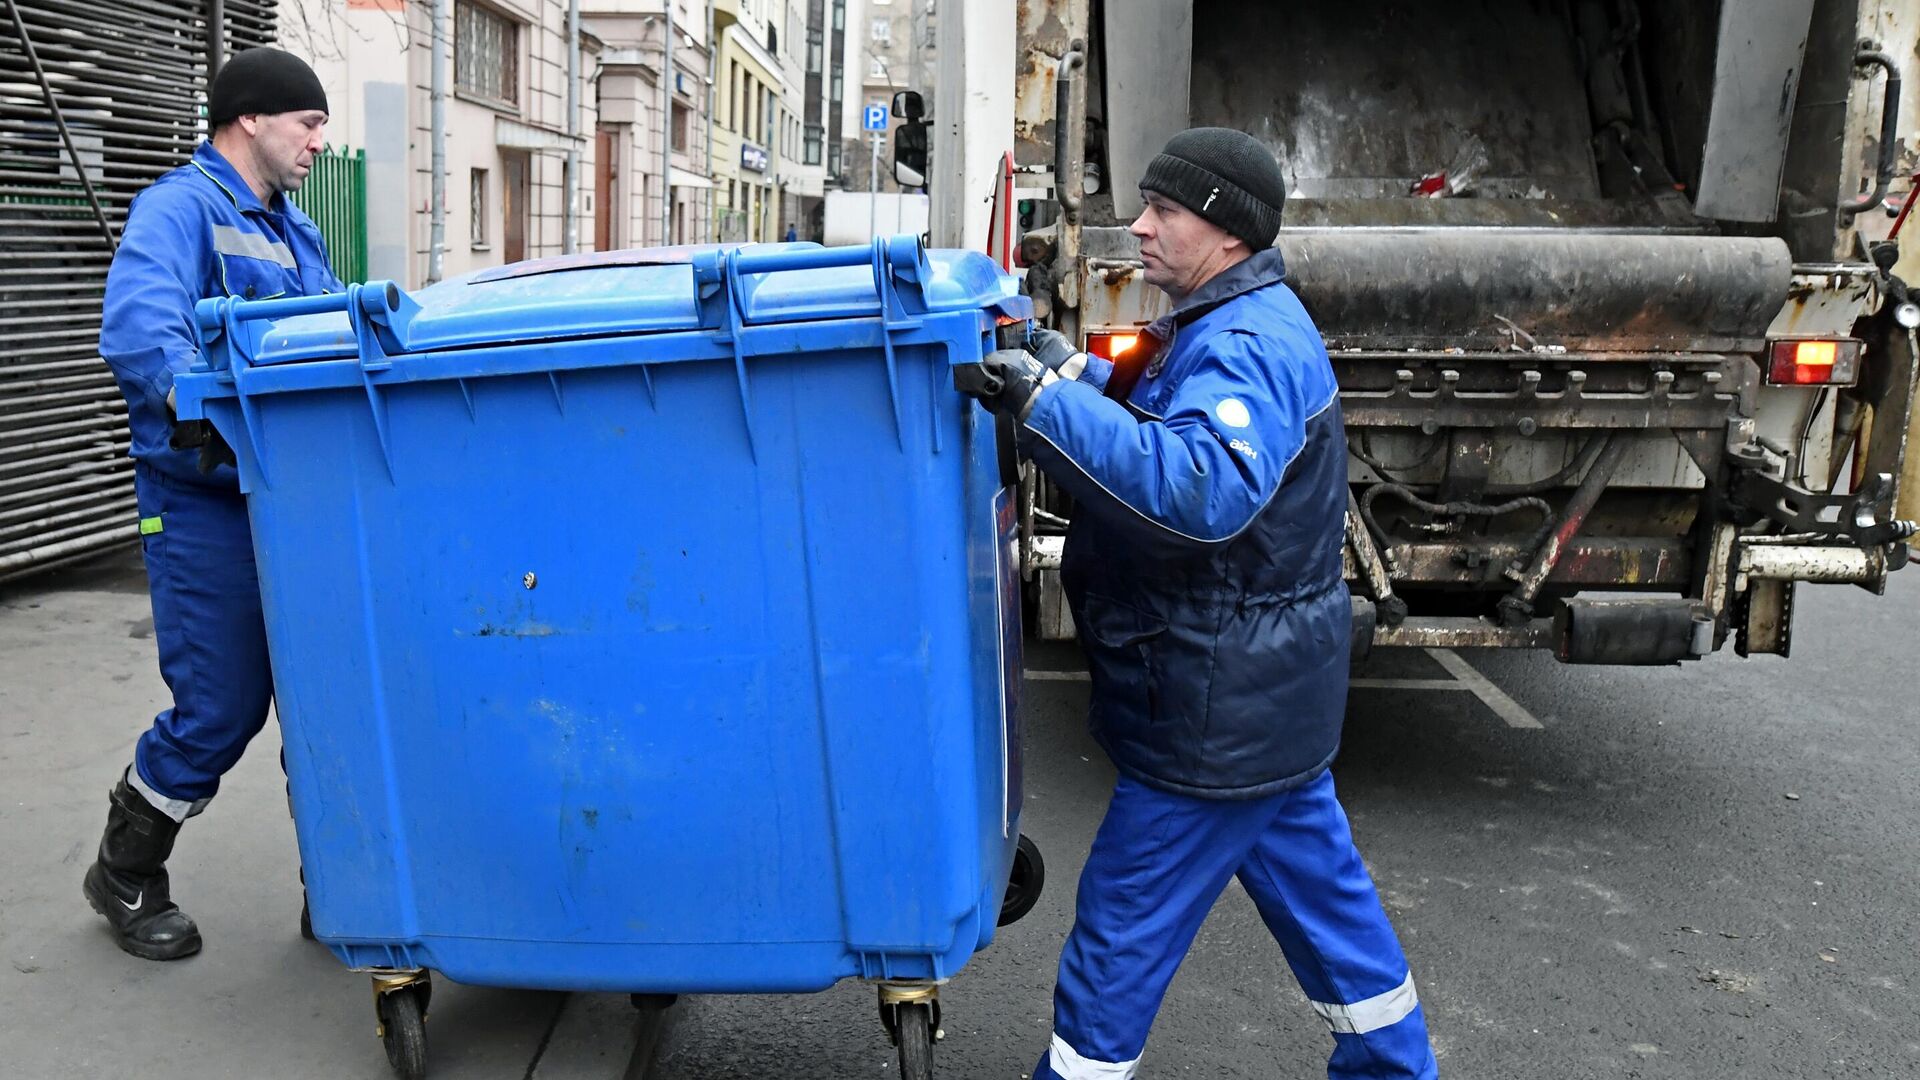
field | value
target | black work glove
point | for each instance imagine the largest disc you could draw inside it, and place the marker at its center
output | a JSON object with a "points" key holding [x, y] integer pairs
{"points": [[1056, 351], [1006, 382], [202, 436]]}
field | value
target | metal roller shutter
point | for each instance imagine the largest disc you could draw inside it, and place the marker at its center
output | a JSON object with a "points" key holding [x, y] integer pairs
{"points": [[128, 78]]}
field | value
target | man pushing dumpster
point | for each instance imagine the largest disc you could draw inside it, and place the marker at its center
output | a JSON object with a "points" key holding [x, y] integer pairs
{"points": [[1204, 574], [220, 225]]}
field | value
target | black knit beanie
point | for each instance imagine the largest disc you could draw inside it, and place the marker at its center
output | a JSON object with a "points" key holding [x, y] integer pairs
{"points": [[1225, 176], [263, 80]]}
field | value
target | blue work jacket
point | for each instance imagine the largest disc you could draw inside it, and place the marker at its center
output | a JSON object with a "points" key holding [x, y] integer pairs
{"points": [[197, 231], [1203, 566]]}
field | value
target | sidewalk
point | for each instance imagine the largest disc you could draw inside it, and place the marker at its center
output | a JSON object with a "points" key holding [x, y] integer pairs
{"points": [[78, 683]]}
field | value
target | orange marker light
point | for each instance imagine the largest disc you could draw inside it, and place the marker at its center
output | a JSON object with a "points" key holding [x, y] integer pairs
{"points": [[1815, 353], [1826, 362], [1110, 345]]}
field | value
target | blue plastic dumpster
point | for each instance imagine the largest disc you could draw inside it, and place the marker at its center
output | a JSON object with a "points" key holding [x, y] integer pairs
{"points": [[641, 622]]}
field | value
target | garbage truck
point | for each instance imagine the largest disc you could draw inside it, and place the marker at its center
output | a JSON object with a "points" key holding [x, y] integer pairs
{"points": [[1611, 288]]}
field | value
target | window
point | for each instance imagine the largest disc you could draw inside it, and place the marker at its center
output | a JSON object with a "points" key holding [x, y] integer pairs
{"points": [[773, 40], [477, 208], [680, 119], [877, 70], [839, 14], [813, 144], [835, 92], [733, 97], [486, 53], [833, 160], [881, 29], [813, 52]]}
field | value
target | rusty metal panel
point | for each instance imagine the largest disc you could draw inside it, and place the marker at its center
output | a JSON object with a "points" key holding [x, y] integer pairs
{"points": [[1835, 149], [1890, 450], [1766, 626], [1043, 28], [1756, 76], [1894, 25], [1114, 295], [1638, 562], [1826, 299], [1464, 633]]}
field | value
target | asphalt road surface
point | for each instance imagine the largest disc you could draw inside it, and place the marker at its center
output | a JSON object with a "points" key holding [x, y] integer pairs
{"points": [[1701, 872]]}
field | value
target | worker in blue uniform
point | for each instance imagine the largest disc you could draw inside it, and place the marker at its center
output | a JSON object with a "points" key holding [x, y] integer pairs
{"points": [[220, 225], [1203, 570]]}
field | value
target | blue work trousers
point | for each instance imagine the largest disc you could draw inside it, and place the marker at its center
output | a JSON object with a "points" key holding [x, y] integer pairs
{"points": [[207, 624], [1160, 861]]}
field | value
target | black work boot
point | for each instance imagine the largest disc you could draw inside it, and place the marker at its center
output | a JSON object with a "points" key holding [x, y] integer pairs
{"points": [[128, 882]]}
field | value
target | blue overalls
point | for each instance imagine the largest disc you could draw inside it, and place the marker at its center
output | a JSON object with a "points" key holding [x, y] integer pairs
{"points": [[197, 232], [1204, 573]]}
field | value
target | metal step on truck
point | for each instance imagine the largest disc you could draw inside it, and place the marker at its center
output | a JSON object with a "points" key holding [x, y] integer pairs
{"points": [[1612, 289]]}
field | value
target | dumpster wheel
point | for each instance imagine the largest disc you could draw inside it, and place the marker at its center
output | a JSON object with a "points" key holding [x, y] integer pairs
{"points": [[1025, 879], [915, 1036], [400, 1001], [911, 1013]]}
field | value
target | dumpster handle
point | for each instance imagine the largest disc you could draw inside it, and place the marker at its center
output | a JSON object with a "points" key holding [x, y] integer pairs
{"points": [[369, 309], [904, 253], [379, 312], [385, 303], [899, 267]]}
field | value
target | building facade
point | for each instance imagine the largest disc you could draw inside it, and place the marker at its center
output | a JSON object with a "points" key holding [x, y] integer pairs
{"points": [[760, 176], [653, 138], [508, 135], [825, 98]]}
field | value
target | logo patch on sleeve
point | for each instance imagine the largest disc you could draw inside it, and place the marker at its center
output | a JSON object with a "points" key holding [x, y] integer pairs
{"points": [[1233, 413]]}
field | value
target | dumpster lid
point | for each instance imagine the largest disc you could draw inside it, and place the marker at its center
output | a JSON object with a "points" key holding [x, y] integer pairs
{"points": [[655, 290]]}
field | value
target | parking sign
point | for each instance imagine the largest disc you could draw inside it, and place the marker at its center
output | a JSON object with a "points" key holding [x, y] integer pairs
{"points": [[876, 117]]}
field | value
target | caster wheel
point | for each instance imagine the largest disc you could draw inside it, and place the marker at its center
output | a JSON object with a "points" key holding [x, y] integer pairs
{"points": [[914, 1034], [403, 1031], [1024, 881]]}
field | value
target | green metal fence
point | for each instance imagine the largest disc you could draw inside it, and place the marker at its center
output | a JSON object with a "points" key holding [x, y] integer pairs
{"points": [[335, 197]]}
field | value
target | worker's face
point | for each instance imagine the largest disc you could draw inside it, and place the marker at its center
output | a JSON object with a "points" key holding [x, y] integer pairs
{"points": [[283, 146], [1180, 248]]}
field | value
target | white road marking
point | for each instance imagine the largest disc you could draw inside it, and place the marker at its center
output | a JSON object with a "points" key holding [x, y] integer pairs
{"points": [[1408, 684], [1495, 698]]}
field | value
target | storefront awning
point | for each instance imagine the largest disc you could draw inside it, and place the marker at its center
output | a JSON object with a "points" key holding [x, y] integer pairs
{"points": [[683, 178]]}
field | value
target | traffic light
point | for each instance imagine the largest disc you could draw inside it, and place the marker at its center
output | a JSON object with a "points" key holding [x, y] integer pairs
{"points": [[910, 140]]}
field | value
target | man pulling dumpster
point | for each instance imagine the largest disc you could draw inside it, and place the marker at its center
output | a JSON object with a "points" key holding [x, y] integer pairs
{"points": [[220, 225], [1204, 574]]}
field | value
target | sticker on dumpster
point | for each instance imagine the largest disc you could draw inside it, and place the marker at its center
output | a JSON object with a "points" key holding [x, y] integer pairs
{"points": [[1007, 560]]}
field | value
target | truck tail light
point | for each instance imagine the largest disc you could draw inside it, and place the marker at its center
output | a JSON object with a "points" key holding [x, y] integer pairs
{"points": [[1814, 362], [1109, 345]]}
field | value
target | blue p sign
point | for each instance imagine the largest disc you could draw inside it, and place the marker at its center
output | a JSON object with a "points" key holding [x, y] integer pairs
{"points": [[876, 117]]}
